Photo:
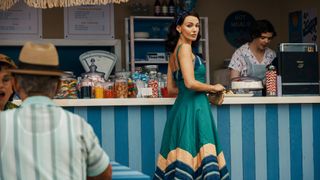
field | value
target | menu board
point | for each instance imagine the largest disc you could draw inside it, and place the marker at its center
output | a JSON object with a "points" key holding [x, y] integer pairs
{"points": [[21, 22], [89, 22]]}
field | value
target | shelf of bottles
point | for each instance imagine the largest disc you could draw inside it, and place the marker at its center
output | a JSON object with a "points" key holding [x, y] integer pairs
{"points": [[164, 8]]}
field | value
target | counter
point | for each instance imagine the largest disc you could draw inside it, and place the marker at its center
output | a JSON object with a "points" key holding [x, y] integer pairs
{"points": [[170, 101], [120, 172], [262, 137]]}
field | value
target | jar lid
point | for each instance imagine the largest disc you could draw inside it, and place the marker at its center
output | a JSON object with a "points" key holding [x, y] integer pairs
{"points": [[150, 67], [67, 74], [123, 74]]}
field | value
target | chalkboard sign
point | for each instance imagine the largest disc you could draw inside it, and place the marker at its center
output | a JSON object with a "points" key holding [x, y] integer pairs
{"points": [[236, 28]]}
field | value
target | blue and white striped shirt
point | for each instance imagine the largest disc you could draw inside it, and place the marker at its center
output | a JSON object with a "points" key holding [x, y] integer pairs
{"points": [[42, 141]]}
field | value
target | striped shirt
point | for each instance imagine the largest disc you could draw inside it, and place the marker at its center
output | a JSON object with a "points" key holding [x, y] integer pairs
{"points": [[42, 141]]}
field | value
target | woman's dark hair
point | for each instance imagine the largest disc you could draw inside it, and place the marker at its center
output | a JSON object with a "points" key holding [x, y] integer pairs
{"points": [[259, 27], [173, 35]]}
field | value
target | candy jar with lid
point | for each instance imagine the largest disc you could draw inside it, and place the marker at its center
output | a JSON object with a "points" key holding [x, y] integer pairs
{"points": [[132, 89], [109, 89], [271, 81], [161, 84], [99, 88], [153, 83], [68, 86], [121, 85], [86, 87], [164, 90]]}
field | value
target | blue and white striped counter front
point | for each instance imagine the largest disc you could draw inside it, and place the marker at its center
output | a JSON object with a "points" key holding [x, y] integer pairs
{"points": [[263, 138], [123, 172]]}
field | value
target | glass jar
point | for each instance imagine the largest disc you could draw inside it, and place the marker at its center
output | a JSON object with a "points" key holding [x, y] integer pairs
{"points": [[153, 84], [164, 90], [161, 84], [99, 89], [271, 81], [132, 89], [109, 89], [86, 88], [121, 87], [68, 86]]}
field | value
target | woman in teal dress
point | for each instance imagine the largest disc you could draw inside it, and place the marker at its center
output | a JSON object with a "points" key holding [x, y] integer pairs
{"points": [[190, 147]]}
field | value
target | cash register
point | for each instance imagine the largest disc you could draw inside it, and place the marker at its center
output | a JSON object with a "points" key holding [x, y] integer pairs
{"points": [[298, 66]]}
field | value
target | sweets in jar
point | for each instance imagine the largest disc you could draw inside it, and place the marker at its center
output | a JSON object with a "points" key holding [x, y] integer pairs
{"points": [[68, 87], [121, 88], [109, 89]]}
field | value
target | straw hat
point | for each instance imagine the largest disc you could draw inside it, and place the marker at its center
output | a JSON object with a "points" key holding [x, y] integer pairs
{"points": [[7, 60], [38, 59]]}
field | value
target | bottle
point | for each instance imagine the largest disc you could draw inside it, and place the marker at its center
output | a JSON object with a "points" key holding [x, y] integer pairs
{"points": [[157, 8], [271, 81], [164, 8], [171, 8]]}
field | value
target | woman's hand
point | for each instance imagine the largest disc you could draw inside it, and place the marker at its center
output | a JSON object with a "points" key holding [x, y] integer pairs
{"points": [[216, 96], [217, 88]]}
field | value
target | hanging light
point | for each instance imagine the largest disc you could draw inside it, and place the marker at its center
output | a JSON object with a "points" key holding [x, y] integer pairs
{"points": [[6, 4]]}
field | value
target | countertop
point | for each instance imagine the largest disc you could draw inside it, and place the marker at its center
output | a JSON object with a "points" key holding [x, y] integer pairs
{"points": [[170, 101]]}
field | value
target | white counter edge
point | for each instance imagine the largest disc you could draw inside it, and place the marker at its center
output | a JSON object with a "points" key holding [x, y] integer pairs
{"points": [[170, 101]]}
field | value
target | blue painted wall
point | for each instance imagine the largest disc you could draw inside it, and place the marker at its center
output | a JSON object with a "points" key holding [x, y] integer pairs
{"points": [[260, 141]]}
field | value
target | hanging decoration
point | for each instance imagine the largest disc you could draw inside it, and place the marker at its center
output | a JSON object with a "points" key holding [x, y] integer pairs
{"points": [[6, 4]]}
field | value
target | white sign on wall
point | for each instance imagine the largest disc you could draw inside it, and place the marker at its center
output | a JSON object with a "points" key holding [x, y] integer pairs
{"points": [[21, 22], [89, 22]]}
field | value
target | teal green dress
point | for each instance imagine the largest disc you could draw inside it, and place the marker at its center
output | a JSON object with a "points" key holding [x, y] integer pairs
{"points": [[190, 147]]}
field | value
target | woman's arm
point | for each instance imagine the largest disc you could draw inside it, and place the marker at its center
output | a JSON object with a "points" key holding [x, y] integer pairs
{"points": [[187, 68], [234, 73]]}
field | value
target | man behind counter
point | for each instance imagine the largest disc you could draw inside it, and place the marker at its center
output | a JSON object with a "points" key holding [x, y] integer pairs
{"points": [[252, 58]]}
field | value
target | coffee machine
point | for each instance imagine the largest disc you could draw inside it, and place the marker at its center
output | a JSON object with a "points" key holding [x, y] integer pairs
{"points": [[298, 66]]}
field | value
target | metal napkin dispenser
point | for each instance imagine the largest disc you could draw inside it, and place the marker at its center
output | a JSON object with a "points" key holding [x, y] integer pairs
{"points": [[299, 68]]}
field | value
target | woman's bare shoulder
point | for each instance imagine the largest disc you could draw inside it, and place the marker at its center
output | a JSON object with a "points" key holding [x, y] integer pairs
{"points": [[185, 46]]}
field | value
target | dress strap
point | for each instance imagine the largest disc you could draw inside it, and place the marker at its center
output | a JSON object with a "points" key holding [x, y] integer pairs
{"points": [[177, 57]]}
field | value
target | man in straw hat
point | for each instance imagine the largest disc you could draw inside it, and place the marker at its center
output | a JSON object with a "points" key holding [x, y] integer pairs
{"points": [[40, 140], [6, 83]]}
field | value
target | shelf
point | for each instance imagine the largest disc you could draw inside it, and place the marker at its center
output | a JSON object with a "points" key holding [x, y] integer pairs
{"points": [[153, 17], [151, 62], [137, 48], [150, 40], [154, 40]]}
